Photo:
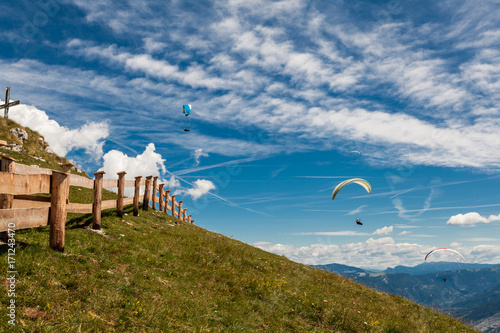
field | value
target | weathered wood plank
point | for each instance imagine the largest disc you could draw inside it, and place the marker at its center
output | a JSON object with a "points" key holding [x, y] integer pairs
{"points": [[109, 183], [30, 201], [79, 208], [129, 183], [128, 201], [23, 169], [108, 204], [29, 204], [76, 180], [24, 184], [23, 218]]}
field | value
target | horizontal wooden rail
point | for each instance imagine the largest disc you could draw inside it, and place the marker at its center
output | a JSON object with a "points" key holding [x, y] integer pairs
{"points": [[31, 170], [24, 184], [23, 218], [75, 180], [110, 183], [79, 208]]}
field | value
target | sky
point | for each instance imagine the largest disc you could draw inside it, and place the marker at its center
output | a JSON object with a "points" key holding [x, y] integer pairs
{"points": [[281, 92]]}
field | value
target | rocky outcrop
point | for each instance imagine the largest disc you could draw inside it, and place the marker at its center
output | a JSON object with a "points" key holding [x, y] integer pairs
{"points": [[20, 134]]}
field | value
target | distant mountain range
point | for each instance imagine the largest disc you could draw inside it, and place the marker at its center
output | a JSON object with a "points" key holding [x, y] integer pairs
{"points": [[470, 292]]}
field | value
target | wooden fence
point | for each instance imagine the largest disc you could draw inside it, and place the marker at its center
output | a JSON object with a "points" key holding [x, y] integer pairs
{"points": [[21, 208]]}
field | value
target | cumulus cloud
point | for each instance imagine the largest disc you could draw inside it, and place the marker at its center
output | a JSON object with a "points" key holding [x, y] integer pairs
{"points": [[149, 163], [383, 231], [372, 253], [197, 154], [200, 188], [62, 140], [172, 183], [406, 232], [471, 219]]}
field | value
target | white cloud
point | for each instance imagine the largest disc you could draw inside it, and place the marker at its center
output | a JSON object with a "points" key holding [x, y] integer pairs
{"points": [[406, 232], [172, 183], [149, 163], [356, 211], [332, 233], [376, 253], [62, 140], [383, 231], [152, 46], [372, 253], [237, 51], [197, 154], [200, 188], [470, 219]]}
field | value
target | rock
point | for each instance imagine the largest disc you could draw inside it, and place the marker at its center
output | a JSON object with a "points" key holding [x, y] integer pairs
{"points": [[14, 147], [49, 150], [19, 133]]}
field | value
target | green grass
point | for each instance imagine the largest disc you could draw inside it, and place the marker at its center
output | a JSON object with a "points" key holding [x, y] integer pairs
{"points": [[148, 274]]}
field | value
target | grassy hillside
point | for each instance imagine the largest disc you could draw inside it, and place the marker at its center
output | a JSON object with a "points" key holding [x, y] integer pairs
{"points": [[148, 273], [33, 150]]}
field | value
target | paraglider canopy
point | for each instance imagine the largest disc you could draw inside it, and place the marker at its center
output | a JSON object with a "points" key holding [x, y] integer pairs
{"points": [[186, 108], [358, 221], [443, 249], [358, 181]]}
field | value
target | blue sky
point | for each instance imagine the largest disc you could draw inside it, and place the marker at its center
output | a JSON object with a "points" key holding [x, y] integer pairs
{"points": [[281, 92]]}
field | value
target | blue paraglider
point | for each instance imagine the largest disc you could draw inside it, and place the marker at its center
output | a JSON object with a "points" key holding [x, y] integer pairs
{"points": [[186, 108]]}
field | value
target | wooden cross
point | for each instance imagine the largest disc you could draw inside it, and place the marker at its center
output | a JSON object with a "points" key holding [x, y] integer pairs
{"points": [[7, 104]]}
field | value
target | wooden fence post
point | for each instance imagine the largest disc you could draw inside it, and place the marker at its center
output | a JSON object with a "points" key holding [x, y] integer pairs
{"points": [[179, 213], [147, 192], [167, 199], [136, 195], [184, 215], [155, 184], [160, 198], [8, 164], [121, 191], [59, 189], [189, 219], [66, 167], [96, 207], [173, 205]]}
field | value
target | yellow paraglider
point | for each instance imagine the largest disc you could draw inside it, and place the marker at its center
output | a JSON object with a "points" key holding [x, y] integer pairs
{"points": [[358, 181]]}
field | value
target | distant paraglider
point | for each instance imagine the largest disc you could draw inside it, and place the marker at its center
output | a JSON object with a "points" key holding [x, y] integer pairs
{"points": [[443, 249], [358, 181], [186, 109], [355, 152], [358, 221]]}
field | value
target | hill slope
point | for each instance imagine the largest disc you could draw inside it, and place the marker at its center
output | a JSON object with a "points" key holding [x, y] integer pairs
{"points": [[148, 273]]}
